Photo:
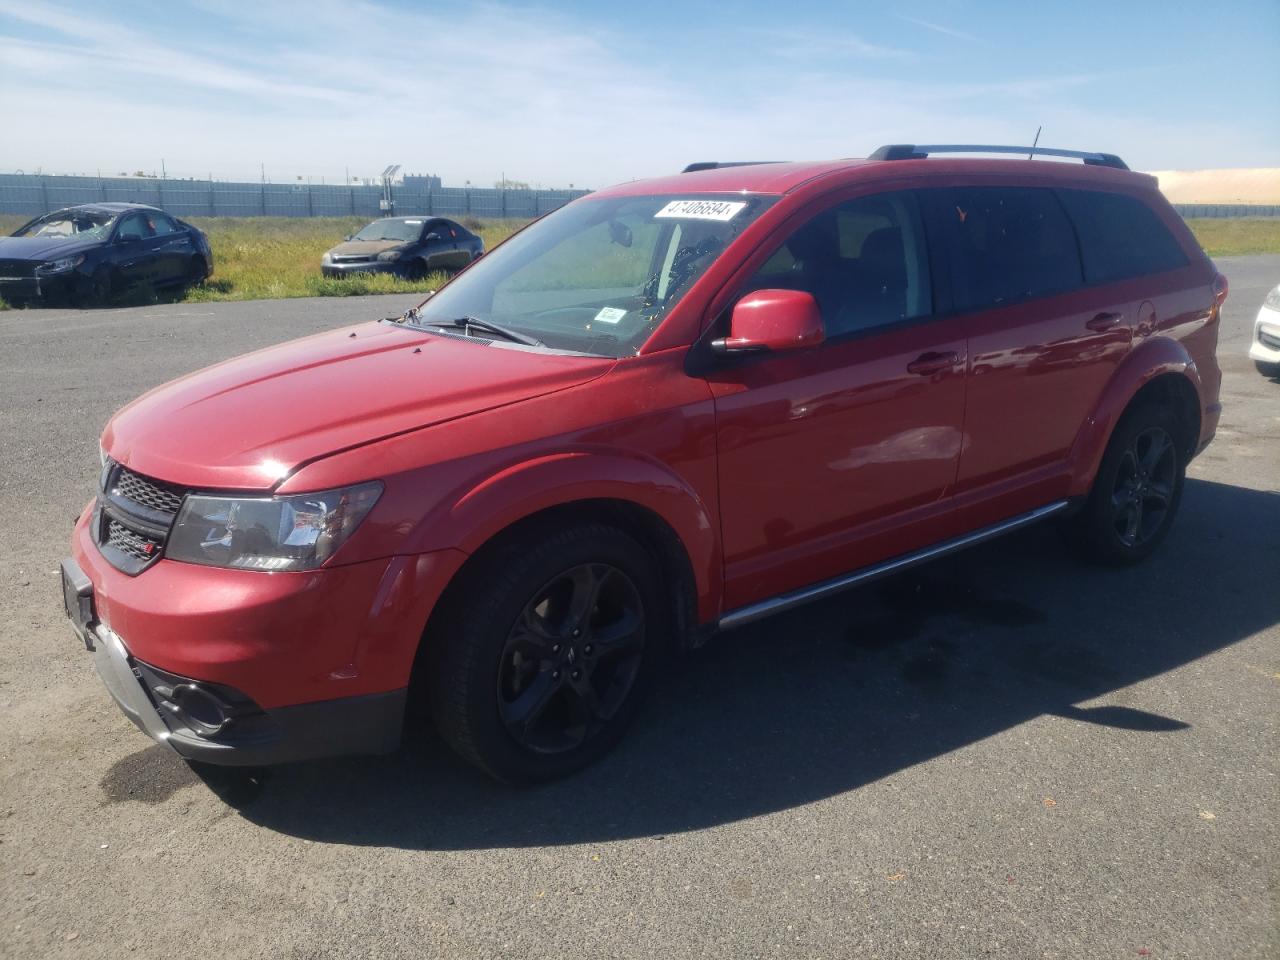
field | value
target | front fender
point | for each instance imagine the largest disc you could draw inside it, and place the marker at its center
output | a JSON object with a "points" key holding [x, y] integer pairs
{"points": [[488, 507], [1150, 359]]}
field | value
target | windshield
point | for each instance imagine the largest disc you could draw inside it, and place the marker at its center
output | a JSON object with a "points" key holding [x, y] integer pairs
{"points": [[403, 230], [598, 275], [80, 224]]}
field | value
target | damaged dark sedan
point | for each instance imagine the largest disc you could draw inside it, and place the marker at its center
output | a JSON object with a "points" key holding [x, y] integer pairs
{"points": [[88, 253], [409, 247]]}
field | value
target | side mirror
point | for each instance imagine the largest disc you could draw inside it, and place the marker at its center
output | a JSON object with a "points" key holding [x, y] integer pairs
{"points": [[348, 236], [432, 236], [772, 320]]}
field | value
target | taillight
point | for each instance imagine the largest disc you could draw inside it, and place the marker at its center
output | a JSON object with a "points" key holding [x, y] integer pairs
{"points": [[1220, 289]]}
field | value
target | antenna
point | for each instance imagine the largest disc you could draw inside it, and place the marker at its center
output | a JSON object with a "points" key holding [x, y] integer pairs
{"points": [[1031, 155]]}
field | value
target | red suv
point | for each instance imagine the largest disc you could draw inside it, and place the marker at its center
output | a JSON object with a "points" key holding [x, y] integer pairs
{"points": [[665, 410]]}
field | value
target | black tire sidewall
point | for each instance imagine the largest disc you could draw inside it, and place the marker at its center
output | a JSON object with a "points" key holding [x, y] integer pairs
{"points": [[464, 670], [1100, 540]]}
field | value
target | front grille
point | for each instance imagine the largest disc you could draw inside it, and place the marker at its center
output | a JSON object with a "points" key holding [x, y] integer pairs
{"points": [[17, 268], [131, 543], [154, 494], [135, 515], [353, 259]]}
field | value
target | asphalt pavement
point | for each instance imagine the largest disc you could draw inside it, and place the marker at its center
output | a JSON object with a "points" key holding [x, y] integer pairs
{"points": [[1006, 754]]}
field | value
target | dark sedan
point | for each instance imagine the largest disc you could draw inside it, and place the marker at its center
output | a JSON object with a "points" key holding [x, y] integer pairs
{"points": [[410, 247], [87, 253]]}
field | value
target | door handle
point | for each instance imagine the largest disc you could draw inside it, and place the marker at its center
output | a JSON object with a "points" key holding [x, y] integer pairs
{"points": [[928, 364], [1103, 322]]}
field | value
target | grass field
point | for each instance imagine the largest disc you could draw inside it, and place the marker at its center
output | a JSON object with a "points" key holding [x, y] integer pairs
{"points": [[258, 258]]}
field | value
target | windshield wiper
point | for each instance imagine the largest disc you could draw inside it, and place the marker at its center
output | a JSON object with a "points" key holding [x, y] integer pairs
{"points": [[488, 326]]}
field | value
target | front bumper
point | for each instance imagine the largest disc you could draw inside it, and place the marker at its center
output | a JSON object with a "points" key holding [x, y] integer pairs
{"points": [[369, 266], [55, 287], [1266, 336], [218, 724], [305, 664]]}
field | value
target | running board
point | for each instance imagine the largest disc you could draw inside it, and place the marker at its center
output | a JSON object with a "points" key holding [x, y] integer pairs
{"points": [[785, 601]]}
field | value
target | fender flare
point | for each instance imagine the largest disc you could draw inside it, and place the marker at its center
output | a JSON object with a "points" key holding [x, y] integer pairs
{"points": [[488, 507], [1152, 358]]}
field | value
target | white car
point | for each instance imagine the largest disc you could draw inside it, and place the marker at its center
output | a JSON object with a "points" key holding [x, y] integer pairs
{"points": [[1265, 349]]}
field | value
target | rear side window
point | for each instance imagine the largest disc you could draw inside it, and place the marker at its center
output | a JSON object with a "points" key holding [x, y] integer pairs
{"points": [[1120, 236], [1013, 244]]}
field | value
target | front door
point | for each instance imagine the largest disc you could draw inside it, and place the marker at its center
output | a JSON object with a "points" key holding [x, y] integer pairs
{"points": [[839, 456]]}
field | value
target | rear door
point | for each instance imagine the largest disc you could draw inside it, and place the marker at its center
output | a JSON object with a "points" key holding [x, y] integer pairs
{"points": [[839, 456], [1042, 345], [173, 248]]}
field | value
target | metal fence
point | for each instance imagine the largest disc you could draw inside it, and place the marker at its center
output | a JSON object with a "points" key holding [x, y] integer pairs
{"points": [[1190, 210], [33, 195]]}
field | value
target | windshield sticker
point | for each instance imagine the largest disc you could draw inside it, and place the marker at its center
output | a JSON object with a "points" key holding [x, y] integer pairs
{"points": [[701, 209], [610, 314]]}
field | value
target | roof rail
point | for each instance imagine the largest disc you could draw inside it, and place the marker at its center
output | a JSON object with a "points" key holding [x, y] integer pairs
{"points": [[717, 164], [911, 151]]}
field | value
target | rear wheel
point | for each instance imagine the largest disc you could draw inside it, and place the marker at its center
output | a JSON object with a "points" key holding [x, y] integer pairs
{"points": [[197, 271], [543, 655], [1137, 490], [1269, 370]]}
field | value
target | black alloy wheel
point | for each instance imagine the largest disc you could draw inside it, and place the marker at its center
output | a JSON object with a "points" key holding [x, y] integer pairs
{"points": [[1144, 486], [571, 658], [542, 650], [1136, 490]]}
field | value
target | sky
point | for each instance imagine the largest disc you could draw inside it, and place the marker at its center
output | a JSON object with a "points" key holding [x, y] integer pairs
{"points": [[592, 93]]}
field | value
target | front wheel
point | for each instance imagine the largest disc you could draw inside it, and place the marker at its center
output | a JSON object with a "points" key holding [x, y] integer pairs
{"points": [[544, 653], [1137, 490], [98, 291], [1269, 370]]}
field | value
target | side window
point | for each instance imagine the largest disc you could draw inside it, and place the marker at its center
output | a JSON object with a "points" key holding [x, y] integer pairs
{"points": [[133, 227], [161, 225], [1013, 244], [865, 262], [1120, 236]]}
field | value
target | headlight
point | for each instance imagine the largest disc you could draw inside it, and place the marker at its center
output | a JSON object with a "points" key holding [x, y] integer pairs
{"points": [[1273, 298], [326, 257], [389, 255], [59, 266], [271, 533]]}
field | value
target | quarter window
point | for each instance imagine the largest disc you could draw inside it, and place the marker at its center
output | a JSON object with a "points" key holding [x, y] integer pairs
{"points": [[865, 262], [1012, 244], [1120, 236]]}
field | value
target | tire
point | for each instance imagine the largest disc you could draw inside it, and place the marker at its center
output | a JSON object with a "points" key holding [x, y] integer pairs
{"points": [[1269, 370], [1136, 492], [513, 688], [415, 271], [197, 272], [99, 289]]}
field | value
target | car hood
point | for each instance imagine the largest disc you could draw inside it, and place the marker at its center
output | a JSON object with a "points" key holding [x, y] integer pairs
{"points": [[42, 248], [247, 423], [365, 248]]}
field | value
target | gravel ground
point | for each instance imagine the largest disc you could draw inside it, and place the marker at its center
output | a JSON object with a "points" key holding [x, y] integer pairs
{"points": [[1005, 754]]}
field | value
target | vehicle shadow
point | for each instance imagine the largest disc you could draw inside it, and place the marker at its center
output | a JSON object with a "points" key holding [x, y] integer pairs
{"points": [[826, 699]]}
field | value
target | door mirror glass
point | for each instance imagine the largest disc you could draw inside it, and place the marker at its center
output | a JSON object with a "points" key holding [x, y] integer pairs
{"points": [[431, 236], [773, 320]]}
